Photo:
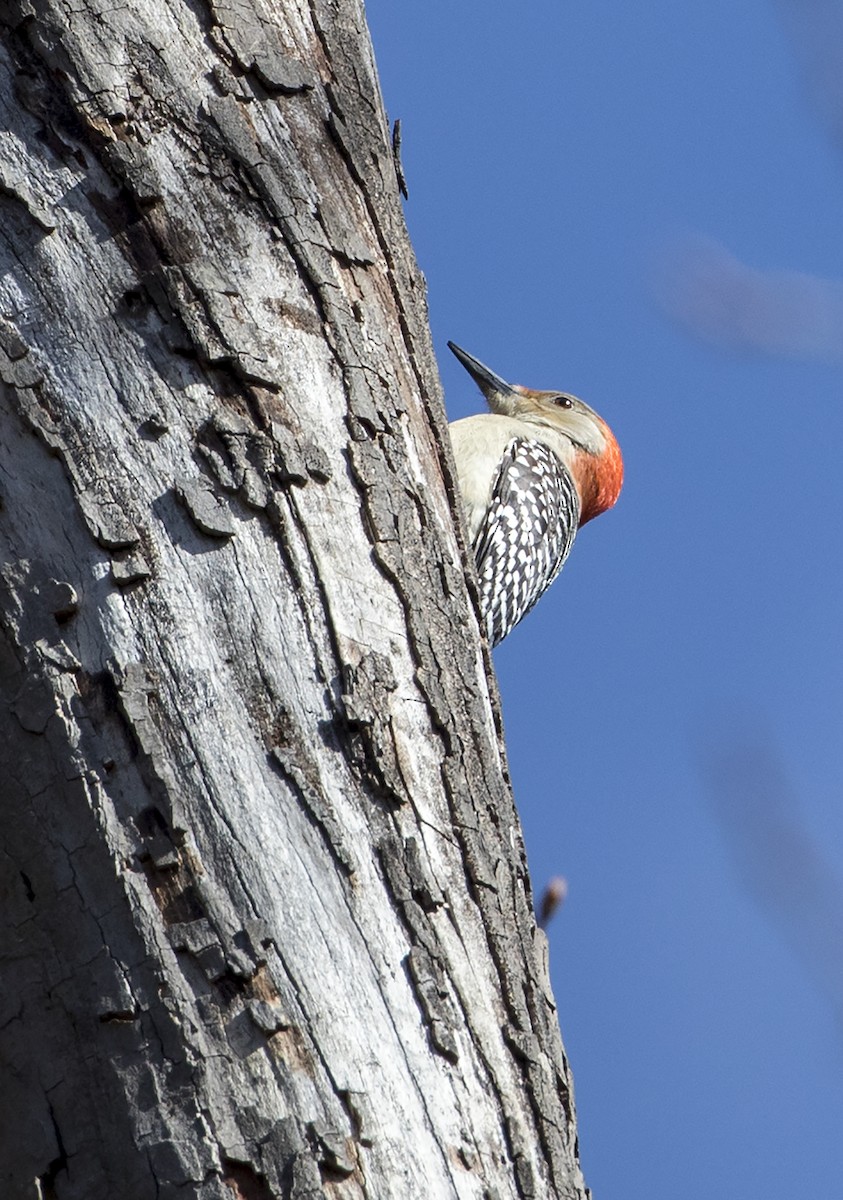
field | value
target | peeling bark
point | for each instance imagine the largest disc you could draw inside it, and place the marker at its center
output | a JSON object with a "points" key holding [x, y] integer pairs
{"points": [[267, 924]]}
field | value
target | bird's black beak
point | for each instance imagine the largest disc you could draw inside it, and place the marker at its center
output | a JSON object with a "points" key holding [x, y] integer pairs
{"points": [[486, 380]]}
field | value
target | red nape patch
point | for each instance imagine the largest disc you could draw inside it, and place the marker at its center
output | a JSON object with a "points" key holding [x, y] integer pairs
{"points": [[599, 478]]}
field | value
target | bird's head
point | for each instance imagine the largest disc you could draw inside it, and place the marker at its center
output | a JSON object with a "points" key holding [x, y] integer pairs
{"points": [[594, 457]]}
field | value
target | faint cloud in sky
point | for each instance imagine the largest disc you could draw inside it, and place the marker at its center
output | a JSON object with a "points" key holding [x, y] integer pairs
{"points": [[778, 862], [723, 300], [816, 31], [717, 297]]}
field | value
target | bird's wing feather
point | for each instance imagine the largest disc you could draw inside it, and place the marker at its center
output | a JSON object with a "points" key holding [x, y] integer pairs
{"points": [[526, 534]]}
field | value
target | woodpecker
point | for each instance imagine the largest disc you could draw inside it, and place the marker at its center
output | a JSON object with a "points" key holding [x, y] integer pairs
{"points": [[531, 472]]}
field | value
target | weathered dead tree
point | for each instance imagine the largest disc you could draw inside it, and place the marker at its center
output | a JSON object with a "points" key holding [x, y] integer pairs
{"points": [[266, 923]]}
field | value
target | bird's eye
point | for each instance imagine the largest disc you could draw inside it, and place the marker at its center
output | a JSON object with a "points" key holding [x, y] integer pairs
{"points": [[563, 402]]}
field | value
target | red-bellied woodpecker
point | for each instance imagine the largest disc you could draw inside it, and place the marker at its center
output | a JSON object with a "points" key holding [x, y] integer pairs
{"points": [[531, 472]]}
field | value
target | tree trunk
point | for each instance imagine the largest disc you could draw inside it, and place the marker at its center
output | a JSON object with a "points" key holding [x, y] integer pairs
{"points": [[267, 926]]}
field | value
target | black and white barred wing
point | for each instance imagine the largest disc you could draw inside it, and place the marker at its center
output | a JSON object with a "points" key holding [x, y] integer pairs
{"points": [[525, 537]]}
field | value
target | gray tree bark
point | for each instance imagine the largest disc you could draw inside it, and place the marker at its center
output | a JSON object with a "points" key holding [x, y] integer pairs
{"points": [[266, 923]]}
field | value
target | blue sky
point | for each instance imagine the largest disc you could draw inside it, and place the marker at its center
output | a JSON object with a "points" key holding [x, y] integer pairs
{"points": [[643, 204]]}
